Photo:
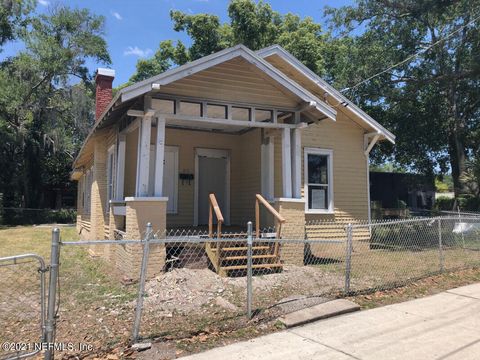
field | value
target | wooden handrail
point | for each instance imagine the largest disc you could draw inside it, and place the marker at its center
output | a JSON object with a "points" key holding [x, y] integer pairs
{"points": [[213, 207], [280, 219]]}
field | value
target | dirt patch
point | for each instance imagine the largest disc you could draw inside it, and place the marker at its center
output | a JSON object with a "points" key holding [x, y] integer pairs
{"points": [[303, 278], [182, 291], [184, 301]]}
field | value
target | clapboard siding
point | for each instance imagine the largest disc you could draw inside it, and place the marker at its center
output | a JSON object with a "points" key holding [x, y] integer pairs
{"points": [[244, 171], [235, 80], [345, 138]]}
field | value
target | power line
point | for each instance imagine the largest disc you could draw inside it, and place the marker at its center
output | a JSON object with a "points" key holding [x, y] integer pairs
{"points": [[413, 56]]}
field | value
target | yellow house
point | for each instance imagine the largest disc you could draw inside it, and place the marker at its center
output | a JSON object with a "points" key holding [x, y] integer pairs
{"points": [[235, 124]]}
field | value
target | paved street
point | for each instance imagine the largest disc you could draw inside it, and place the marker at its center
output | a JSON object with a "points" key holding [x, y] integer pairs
{"points": [[443, 326]]}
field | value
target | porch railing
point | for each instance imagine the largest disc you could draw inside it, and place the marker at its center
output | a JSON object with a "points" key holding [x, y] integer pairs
{"points": [[213, 207], [279, 218]]}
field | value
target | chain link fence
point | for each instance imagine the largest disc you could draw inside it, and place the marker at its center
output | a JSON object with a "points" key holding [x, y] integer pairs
{"points": [[401, 251], [174, 291], [184, 283]]}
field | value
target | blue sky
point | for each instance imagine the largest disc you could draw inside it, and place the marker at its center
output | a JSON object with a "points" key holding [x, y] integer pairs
{"points": [[134, 28]]}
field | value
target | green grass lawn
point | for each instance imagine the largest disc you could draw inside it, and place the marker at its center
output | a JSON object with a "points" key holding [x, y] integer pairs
{"points": [[31, 239], [92, 297]]}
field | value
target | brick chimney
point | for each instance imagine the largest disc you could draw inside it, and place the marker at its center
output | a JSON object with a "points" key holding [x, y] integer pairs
{"points": [[103, 92]]}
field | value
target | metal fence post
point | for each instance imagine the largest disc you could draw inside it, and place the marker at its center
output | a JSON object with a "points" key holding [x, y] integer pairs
{"points": [[440, 246], [348, 258], [52, 294], [249, 269], [141, 285]]}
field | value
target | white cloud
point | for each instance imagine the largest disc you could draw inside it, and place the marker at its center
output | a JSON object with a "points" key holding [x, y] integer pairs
{"points": [[44, 2], [136, 51], [116, 15]]}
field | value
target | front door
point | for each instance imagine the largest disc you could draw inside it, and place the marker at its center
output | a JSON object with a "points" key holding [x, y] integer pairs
{"points": [[212, 173]]}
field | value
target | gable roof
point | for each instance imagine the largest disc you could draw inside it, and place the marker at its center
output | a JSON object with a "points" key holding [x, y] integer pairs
{"points": [[305, 71], [127, 95], [206, 62]]}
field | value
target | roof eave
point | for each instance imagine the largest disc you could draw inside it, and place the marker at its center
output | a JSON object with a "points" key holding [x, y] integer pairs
{"points": [[180, 72], [284, 54]]}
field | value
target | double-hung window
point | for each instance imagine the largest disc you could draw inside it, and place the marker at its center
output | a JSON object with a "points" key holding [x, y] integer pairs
{"points": [[318, 168], [110, 177], [88, 191]]}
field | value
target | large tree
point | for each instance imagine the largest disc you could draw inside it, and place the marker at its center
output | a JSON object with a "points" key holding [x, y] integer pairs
{"points": [[431, 99], [13, 17], [40, 126], [254, 24]]}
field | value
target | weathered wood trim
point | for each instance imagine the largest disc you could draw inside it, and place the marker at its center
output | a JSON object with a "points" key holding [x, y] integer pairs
{"points": [[120, 176], [296, 163], [286, 164], [144, 156]]}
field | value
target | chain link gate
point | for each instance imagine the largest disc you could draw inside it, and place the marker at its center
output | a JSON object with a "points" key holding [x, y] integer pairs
{"points": [[22, 299], [24, 302]]}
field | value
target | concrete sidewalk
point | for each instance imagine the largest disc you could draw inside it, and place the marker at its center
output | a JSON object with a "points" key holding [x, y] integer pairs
{"points": [[443, 326]]}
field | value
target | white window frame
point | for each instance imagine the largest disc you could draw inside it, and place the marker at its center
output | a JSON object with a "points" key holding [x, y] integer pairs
{"points": [[81, 193], [110, 177], [88, 191], [329, 154], [84, 193]]}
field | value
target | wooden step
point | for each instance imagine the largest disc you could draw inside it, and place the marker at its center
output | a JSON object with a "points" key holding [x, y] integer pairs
{"points": [[244, 248], [270, 235], [244, 257], [254, 266], [241, 236]]}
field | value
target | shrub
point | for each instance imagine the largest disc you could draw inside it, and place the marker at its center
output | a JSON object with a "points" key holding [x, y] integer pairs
{"points": [[444, 203], [21, 216], [465, 202], [405, 236]]}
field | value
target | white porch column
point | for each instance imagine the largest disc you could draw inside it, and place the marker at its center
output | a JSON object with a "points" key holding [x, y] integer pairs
{"points": [[160, 156], [144, 156], [120, 175], [296, 147], [286, 164], [267, 167]]}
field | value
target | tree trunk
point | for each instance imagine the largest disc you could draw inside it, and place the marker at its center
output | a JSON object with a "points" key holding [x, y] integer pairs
{"points": [[457, 162], [456, 142], [458, 116]]}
